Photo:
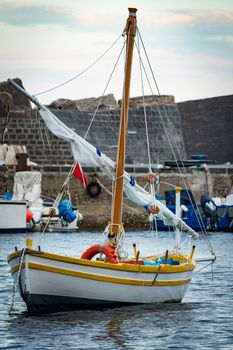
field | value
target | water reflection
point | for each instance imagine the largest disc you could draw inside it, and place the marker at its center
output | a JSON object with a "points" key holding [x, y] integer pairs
{"points": [[116, 328]]}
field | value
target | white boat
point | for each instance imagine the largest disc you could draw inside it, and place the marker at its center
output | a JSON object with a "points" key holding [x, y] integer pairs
{"points": [[13, 216], [26, 210], [53, 281]]}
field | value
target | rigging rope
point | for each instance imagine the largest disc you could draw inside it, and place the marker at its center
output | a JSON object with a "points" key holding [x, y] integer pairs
{"points": [[204, 267], [59, 196], [56, 202], [100, 100], [144, 107], [199, 218], [110, 193], [83, 71]]}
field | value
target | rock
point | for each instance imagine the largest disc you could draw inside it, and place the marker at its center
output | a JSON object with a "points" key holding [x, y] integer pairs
{"points": [[63, 103], [90, 104], [9, 96], [150, 100]]}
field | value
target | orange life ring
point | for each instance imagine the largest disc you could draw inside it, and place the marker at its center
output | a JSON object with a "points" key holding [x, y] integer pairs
{"points": [[154, 209], [108, 251]]}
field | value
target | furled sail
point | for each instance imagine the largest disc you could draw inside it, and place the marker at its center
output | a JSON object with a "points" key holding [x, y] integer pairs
{"points": [[87, 155], [83, 151], [140, 196]]}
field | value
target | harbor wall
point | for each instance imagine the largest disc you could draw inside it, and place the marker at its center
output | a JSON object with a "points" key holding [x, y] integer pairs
{"points": [[97, 211], [197, 127], [207, 126], [27, 128]]}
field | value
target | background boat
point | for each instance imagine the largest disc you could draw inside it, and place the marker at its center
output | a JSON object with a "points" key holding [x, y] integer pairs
{"points": [[13, 216], [211, 213]]}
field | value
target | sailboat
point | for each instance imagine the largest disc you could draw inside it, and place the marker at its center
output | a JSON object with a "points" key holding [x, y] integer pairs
{"points": [[102, 276]]}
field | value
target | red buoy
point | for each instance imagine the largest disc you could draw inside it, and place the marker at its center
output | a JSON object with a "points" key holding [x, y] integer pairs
{"points": [[28, 215]]}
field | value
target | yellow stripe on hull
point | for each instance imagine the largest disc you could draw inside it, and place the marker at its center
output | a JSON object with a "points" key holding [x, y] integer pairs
{"points": [[163, 269], [101, 278]]}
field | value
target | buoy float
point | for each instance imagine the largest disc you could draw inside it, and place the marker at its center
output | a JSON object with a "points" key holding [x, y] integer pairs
{"points": [[95, 249], [28, 215], [93, 189], [154, 209], [151, 178]]}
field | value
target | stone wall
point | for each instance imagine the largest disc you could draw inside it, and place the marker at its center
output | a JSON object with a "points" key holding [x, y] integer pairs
{"points": [[195, 127], [44, 148], [207, 127]]}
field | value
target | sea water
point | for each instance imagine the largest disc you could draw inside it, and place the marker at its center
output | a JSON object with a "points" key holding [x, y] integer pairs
{"points": [[204, 319]]}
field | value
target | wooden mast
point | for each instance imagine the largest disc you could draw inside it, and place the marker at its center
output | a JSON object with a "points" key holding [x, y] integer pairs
{"points": [[130, 30]]}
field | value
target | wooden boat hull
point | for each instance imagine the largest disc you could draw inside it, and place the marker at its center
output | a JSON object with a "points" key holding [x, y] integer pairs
{"points": [[49, 281]]}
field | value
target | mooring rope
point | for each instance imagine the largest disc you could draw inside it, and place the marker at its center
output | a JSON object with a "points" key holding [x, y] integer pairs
{"points": [[204, 267], [16, 282]]}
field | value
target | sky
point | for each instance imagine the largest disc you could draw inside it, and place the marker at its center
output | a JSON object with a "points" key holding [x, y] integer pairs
{"points": [[189, 45]]}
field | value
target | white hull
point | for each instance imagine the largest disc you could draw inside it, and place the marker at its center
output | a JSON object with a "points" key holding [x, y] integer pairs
{"points": [[12, 216], [58, 224], [59, 281]]}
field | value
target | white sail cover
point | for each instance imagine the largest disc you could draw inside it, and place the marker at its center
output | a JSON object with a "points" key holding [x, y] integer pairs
{"points": [[83, 151], [27, 186], [88, 155]]}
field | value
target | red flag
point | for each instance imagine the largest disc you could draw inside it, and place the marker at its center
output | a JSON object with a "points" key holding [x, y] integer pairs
{"points": [[78, 173]]}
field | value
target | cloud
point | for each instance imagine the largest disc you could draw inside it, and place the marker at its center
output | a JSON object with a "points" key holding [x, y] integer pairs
{"points": [[186, 42], [227, 39], [192, 32], [186, 22], [19, 14], [179, 18], [29, 15]]}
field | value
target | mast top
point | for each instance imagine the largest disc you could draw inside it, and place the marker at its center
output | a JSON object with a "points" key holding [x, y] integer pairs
{"points": [[132, 11]]}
